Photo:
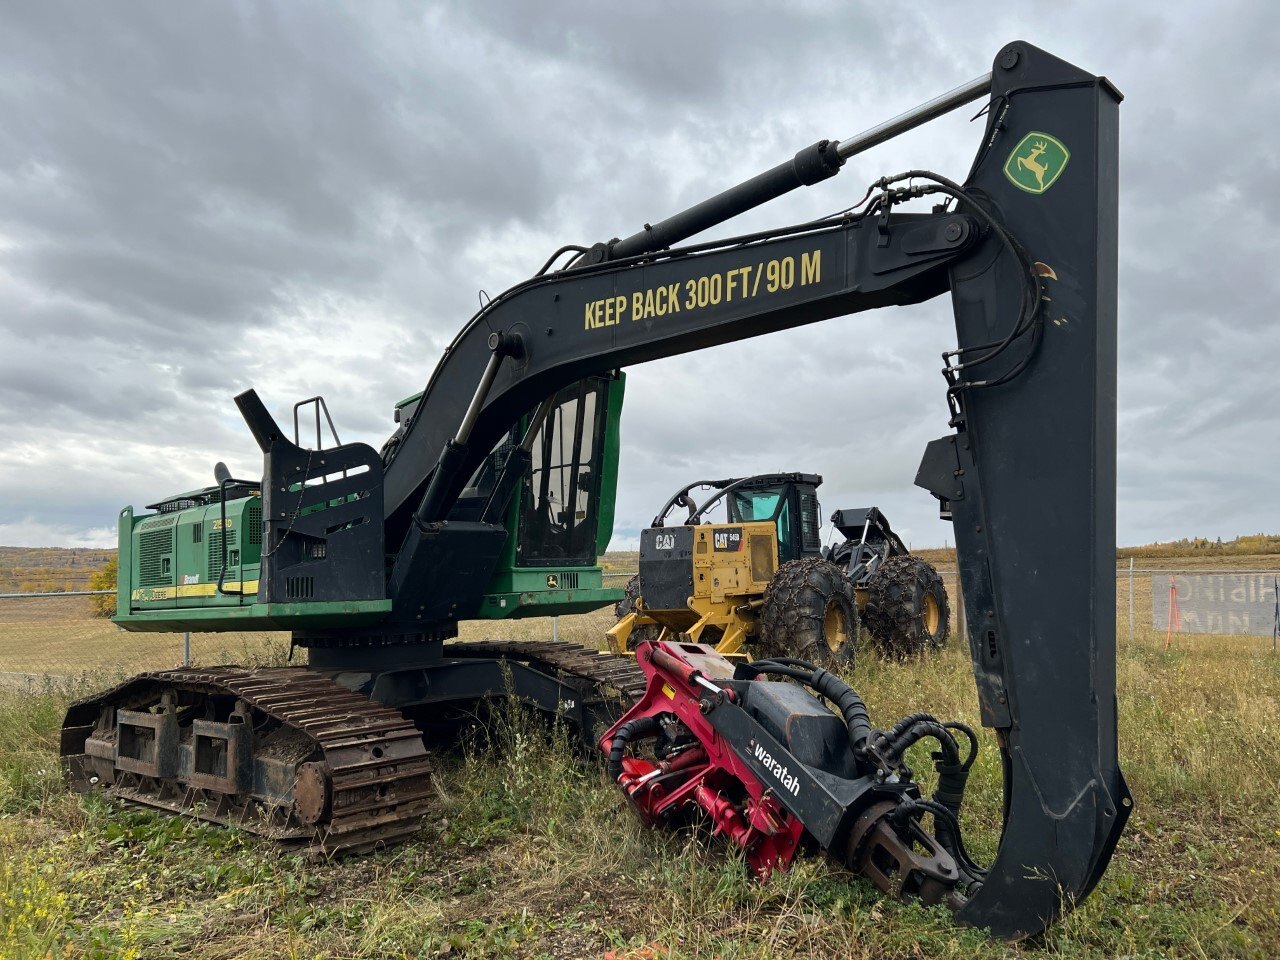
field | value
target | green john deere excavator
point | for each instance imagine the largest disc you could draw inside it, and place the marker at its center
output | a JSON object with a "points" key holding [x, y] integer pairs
{"points": [[494, 495]]}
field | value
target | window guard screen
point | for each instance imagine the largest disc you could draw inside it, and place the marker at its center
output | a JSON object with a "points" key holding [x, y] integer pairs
{"points": [[559, 498]]}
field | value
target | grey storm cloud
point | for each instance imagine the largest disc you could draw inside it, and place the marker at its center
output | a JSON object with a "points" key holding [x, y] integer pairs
{"points": [[308, 199]]}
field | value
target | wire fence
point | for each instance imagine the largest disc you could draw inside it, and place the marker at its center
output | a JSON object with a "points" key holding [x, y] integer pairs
{"points": [[1223, 601], [58, 638]]}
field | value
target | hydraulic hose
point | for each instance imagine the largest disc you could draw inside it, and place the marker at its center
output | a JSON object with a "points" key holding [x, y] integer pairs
{"points": [[953, 774], [901, 727], [947, 830], [639, 728], [851, 706]]}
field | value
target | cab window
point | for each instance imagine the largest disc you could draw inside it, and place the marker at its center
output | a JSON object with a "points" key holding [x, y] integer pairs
{"points": [[560, 493]]}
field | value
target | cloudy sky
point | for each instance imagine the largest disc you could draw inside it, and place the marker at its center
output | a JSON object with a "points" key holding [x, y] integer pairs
{"points": [[306, 198]]}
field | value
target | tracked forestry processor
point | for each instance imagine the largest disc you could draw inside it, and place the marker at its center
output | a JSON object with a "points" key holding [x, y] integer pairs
{"points": [[494, 498]]}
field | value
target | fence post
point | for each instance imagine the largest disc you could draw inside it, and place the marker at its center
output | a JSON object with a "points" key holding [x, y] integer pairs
{"points": [[1275, 626], [555, 628], [960, 621], [1131, 599], [186, 648]]}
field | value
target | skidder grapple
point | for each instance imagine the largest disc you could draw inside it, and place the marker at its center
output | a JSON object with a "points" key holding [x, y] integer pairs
{"points": [[493, 498], [763, 579]]}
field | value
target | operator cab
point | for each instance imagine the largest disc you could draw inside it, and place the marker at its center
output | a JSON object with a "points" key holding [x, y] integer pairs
{"points": [[557, 507], [790, 500]]}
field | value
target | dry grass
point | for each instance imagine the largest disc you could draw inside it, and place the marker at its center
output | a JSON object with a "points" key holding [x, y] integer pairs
{"points": [[530, 852]]}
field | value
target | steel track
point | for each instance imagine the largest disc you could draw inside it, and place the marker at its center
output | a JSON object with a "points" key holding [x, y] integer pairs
{"points": [[333, 771]]}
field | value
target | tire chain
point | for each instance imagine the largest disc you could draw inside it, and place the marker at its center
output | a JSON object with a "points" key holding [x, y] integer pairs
{"points": [[641, 631], [894, 610], [786, 603]]}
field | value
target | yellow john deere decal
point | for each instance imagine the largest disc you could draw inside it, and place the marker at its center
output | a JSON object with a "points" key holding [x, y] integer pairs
{"points": [[154, 594], [1037, 162]]}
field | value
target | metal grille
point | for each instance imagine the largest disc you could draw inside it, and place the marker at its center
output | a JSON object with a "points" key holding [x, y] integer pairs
{"points": [[810, 525], [762, 557], [299, 588], [155, 523], [253, 524], [153, 547], [215, 550]]}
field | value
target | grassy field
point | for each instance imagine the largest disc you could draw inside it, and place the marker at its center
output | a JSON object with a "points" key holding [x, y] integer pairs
{"points": [[530, 852]]}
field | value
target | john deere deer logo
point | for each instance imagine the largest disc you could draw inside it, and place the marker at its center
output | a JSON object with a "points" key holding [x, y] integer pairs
{"points": [[1037, 162]]}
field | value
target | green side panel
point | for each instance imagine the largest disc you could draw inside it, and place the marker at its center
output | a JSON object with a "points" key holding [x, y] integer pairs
{"points": [[609, 463], [546, 592], [174, 559], [169, 569], [258, 616]]}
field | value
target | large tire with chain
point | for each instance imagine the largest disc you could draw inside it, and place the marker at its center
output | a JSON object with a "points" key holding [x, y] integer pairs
{"points": [[907, 613], [641, 631], [809, 612]]}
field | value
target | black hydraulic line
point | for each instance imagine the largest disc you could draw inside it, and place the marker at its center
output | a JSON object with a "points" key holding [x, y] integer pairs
{"points": [[917, 732], [222, 515], [851, 706], [973, 740], [947, 830], [902, 725], [639, 728], [953, 774], [1031, 291], [577, 248]]}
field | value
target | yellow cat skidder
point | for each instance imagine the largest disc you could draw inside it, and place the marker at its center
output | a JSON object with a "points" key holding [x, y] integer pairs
{"points": [[762, 582]]}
